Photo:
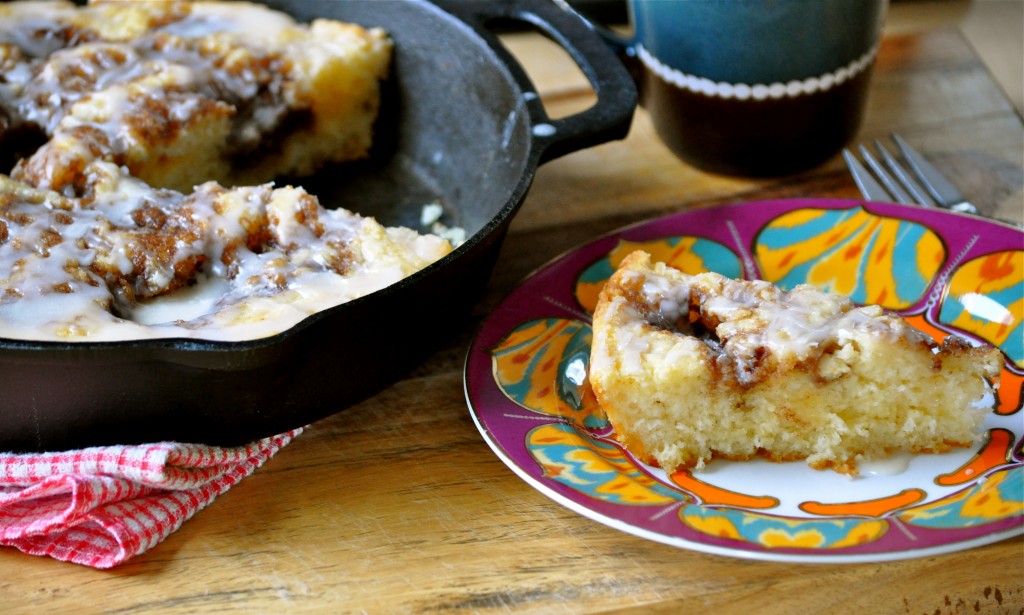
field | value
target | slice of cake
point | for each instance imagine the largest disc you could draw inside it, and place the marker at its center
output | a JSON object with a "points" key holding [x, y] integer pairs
{"points": [[179, 93], [690, 368], [222, 264]]}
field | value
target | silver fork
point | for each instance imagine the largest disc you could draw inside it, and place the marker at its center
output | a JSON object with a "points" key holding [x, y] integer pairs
{"points": [[914, 181]]}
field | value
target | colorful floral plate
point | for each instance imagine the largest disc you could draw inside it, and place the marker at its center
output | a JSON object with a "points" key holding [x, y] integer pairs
{"points": [[947, 273]]}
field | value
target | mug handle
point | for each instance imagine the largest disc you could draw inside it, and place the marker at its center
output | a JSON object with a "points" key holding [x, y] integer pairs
{"points": [[608, 119]]}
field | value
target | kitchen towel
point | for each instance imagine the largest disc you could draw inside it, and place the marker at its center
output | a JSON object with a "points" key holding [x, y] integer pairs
{"points": [[101, 506]]}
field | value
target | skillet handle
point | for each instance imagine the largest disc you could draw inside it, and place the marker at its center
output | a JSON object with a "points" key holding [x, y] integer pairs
{"points": [[608, 119]]}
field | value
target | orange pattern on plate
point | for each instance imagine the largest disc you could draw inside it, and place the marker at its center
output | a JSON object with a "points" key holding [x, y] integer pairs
{"points": [[878, 507], [995, 453], [1011, 392], [712, 495]]}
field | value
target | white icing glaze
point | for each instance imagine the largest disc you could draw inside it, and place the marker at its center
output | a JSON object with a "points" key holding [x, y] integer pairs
{"points": [[257, 22], [894, 464], [752, 319]]}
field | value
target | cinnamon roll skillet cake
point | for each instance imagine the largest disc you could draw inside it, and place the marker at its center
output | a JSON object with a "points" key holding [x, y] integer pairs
{"points": [[690, 368], [141, 140]]}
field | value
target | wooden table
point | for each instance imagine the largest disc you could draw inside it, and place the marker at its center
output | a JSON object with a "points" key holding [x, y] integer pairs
{"points": [[398, 505]]}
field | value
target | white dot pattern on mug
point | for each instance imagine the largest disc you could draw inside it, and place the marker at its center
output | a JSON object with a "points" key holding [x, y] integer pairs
{"points": [[760, 91]]}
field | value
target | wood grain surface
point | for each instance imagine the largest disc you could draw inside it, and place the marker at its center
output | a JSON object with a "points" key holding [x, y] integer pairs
{"points": [[398, 505]]}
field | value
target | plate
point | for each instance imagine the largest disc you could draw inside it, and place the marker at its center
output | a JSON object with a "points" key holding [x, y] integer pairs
{"points": [[527, 391]]}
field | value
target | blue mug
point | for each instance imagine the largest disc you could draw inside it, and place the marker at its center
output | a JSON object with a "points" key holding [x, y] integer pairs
{"points": [[755, 87]]}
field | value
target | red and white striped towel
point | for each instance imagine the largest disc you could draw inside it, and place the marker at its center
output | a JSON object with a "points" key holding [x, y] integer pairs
{"points": [[102, 506]]}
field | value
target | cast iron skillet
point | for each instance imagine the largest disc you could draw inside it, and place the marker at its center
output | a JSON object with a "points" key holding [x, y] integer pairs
{"points": [[463, 124]]}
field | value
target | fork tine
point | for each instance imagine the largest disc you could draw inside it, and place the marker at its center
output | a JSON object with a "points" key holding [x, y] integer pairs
{"points": [[883, 176], [867, 184], [944, 193], [919, 194], [904, 188]]}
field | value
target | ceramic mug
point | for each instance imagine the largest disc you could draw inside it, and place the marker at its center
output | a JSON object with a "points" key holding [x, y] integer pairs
{"points": [[755, 87]]}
